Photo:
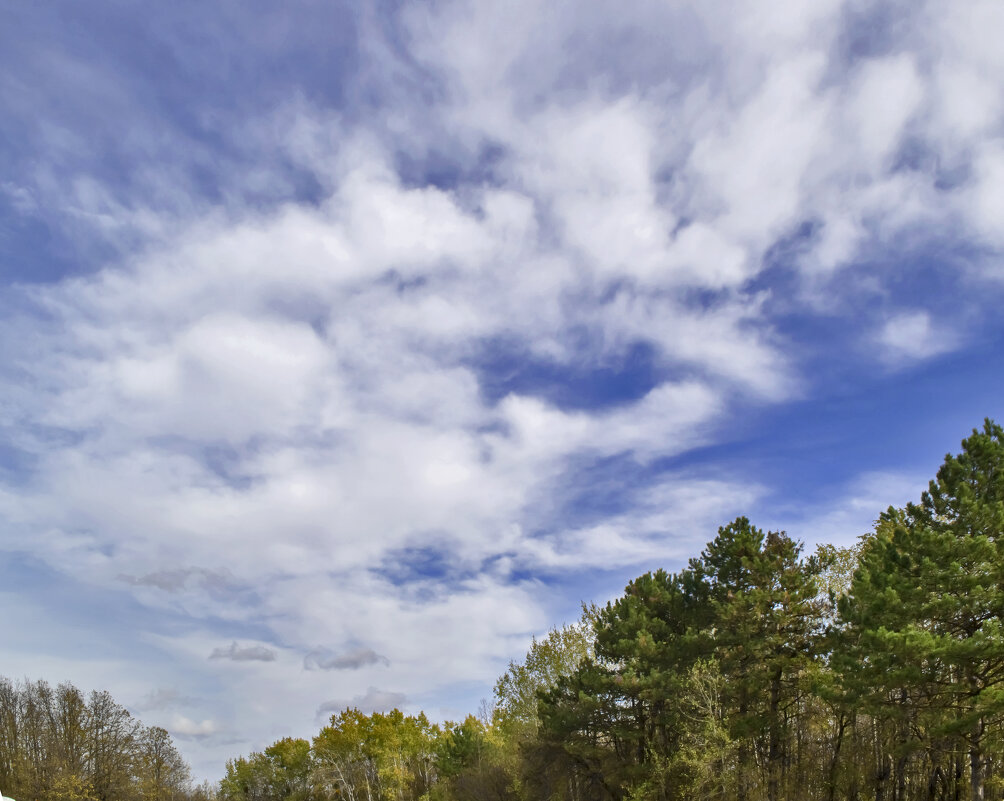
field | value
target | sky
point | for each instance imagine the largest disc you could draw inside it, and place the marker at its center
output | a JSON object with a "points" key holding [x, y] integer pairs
{"points": [[346, 347]]}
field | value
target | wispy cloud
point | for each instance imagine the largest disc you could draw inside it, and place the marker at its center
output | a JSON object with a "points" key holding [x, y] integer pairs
{"points": [[165, 698], [177, 580], [246, 653], [323, 659]]}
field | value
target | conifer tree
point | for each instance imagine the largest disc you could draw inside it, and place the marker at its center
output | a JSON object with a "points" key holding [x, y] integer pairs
{"points": [[927, 606], [767, 616]]}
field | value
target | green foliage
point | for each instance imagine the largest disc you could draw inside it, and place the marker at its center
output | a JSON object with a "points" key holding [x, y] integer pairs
{"points": [[558, 654], [462, 746], [376, 757], [472, 766], [283, 771]]}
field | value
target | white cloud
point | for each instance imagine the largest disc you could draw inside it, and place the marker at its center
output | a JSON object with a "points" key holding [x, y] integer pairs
{"points": [[181, 726], [884, 96], [667, 524], [911, 335], [753, 167], [987, 199]]}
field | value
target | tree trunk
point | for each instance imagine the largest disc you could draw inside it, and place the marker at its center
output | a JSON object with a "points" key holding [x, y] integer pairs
{"points": [[835, 759], [900, 793], [882, 776], [743, 754], [774, 737], [976, 777], [932, 782]]}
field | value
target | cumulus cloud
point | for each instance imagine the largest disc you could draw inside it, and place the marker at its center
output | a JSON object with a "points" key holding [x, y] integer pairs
{"points": [[247, 653], [323, 659]]}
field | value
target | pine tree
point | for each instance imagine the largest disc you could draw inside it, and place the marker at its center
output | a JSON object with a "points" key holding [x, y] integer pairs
{"points": [[926, 607], [767, 618]]}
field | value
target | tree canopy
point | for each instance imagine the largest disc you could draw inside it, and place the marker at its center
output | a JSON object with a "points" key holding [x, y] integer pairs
{"points": [[56, 744]]}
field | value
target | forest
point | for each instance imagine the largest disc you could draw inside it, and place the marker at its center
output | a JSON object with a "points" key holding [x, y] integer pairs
{"points": [[56, 744], [758, 672]]}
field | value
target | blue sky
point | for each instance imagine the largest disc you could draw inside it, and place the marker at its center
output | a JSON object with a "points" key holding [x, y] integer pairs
{"points": [[346, 347]]}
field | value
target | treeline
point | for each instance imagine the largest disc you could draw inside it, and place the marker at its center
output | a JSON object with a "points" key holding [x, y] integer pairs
{"points": [[757, 673], [58, 745]]}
